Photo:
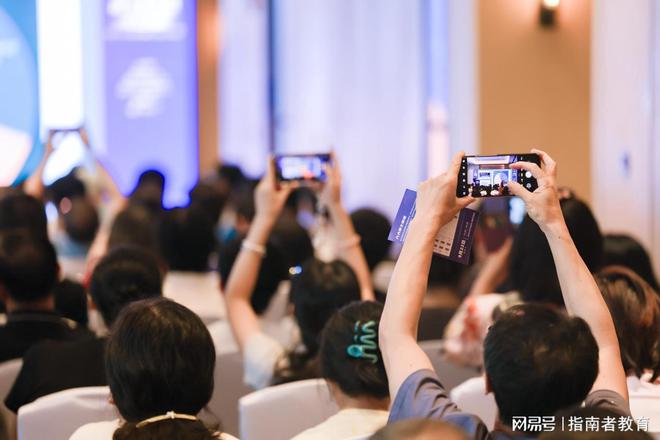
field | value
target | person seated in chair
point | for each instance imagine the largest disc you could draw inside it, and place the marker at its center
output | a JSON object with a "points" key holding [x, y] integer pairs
{"points": [[28, 274], [125, 275]]}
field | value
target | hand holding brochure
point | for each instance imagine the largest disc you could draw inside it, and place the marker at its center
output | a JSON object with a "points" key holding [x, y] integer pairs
{"points": [[454, 241]]}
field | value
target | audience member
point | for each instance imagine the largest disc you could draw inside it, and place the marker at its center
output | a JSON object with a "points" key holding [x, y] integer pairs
{"points": [[316, 292], [635, 309], [28, 274], [419, 429], [537, 360], [374, 229], [71, 301], [149, 191], [532, 278], [351, 363], [23, 211], [125, 275], [160, 362], [186, 240], [623, 250]]}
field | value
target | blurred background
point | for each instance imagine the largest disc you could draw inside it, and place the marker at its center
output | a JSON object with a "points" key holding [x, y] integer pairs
{"points": [[393, 86]]}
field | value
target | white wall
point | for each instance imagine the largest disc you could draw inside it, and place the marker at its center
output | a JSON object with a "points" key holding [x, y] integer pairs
{"points": [[623, 122]]}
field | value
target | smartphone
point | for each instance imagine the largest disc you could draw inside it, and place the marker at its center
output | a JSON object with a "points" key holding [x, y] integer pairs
{"points": [[302, 167], [489, 176]]}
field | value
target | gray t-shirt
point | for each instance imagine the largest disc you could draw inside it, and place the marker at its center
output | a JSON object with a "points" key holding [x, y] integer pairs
{"points": [[422, 396]]}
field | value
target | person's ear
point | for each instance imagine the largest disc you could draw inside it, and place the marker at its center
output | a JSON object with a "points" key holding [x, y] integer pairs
{"points": [[489, 388]]}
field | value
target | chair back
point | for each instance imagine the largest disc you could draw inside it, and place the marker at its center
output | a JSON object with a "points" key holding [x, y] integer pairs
{"points": [[8, 372], [229, 387], [450, 375], [58, 415], [280, 412]]}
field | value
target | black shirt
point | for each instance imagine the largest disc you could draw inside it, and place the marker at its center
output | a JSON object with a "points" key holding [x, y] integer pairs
{"points": [[26, 328], [53, 366]]}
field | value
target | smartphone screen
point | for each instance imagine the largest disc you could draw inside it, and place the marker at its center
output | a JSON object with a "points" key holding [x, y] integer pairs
{"points": [[302, 167], [489, 176]]}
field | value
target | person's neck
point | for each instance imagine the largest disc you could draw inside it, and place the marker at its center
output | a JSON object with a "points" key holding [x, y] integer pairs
{"points": [[46, 304], [347, 402]]}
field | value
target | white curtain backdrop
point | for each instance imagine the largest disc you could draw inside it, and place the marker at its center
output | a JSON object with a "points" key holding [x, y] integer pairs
{"points": [[349, 75]]}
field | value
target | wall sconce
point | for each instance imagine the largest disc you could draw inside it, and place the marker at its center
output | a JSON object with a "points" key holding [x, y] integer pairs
{"points": [[548, 12]]}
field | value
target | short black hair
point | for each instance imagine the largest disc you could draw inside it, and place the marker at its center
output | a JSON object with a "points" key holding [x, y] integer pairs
{"points": [[373, 228], [623, 250], [539, 360], [531, 266], [149, 190], [159, 358], [28, 265], [209, 199], [23, 211], [71, 301], [356, 377], [135, 226], [289, 245], [445, 273], [69, 187], [186, 238], [124, 275], [81, 222], [320, 289]]}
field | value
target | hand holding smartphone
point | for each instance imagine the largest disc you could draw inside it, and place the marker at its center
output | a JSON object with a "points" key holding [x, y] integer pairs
{"points": [[489, 176]]}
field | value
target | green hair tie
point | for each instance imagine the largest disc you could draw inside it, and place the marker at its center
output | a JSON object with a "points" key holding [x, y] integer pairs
{"points": [[364, 339]]}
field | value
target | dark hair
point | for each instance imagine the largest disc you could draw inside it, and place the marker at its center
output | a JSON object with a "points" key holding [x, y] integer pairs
{"points": [[623, 250], [635, 309], [318, 291], [71, 301], [124, 275], [209, 199], [531, 266], [356, 377], [232, 174], [186, 238], [445, 273], [69, 186], [414, 429], [23, 211], [159, 358], [288, 245], [135, 226], [28, 265], [81, 222], [149, 190], [599, 413], [374, 228], [538, 360]]}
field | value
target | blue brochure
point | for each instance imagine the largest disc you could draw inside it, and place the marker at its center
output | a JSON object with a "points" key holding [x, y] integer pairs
{"points": [[454, 241]]}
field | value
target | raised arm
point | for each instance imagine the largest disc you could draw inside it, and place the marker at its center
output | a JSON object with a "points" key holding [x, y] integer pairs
{"points": [[436, 205], [34, 185], [346, 239], [580, 292], [269, 200]]}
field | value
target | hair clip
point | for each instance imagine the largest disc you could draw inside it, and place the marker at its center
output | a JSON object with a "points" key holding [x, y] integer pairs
{"points": [[363, 342], [170, 415]]}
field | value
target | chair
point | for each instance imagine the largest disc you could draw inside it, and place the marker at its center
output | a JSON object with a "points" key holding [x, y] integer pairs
{"points": [[58, 415], [280, 412], [451, 375], [229, 387], [8, 372]]}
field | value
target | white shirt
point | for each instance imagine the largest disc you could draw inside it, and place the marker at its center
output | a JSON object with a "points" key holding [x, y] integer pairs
{"points": [[347, 424], [199, 291], [261, 355], [105, 430], [645, 400]]}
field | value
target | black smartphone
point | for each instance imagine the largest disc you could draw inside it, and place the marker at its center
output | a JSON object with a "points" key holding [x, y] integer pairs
{"points": [[302, 167], [489, 176]]}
